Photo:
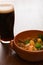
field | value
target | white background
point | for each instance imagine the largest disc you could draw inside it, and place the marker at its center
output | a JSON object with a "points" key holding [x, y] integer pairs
{"points": [[28, 14]]}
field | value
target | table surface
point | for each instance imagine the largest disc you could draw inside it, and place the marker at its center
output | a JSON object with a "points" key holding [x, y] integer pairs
{"points": [[9, 57]]}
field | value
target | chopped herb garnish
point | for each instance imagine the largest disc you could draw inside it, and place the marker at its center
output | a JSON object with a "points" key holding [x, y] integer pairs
{"points": [[40, 36], [27, 41], [38, 45]]}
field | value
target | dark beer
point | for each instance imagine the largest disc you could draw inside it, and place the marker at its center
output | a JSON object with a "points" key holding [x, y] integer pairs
{"points": [[6, 24]]}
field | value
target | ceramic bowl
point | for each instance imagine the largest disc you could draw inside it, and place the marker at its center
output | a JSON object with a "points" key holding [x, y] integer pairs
{"points": [[24, 54]]}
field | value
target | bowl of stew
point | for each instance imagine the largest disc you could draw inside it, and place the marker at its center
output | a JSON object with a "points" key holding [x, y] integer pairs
{"points": [[29, 45]]}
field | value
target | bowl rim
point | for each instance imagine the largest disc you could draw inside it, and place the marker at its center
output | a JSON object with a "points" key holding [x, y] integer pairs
{"points": [[27, 31], [21, 47]]}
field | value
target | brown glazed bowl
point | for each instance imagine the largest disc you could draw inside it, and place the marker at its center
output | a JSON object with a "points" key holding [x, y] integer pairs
{"points": [[24, 54]]}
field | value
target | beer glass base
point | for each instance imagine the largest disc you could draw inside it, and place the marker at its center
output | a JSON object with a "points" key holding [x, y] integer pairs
{"points": [[5, 42]]}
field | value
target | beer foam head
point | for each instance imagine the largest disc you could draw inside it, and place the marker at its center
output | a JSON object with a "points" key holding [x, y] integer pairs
{"points": [[6, 8]]}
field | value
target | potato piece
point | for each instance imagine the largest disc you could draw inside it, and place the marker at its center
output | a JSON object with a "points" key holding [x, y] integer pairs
{"points": [[32, 48], [32, 42], [39, 40], [35, 49]]}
